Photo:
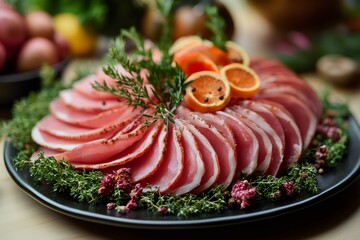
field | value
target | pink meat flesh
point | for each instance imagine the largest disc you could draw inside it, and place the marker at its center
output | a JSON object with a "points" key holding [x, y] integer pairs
{"points": [[194, 169], [172, 165], [247, 146]]}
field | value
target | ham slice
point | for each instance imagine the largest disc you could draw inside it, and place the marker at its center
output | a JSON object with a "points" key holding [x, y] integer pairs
{"points": [[46, 151], [275, 88], [304, 118], [78, 101], [265, 144], [224, 150], [274, 136], [172, 165], [293, 141], [54, 143], [101, 150], [148, 163], [84, 86], [56, 128], [209, 158], [90, 120], [247, 145], [280, 83], [220, 125], [136, 150], [194, 168]]}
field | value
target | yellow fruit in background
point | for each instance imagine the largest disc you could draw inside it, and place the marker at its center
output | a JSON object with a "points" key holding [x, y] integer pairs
{"points": [[81, 41]]}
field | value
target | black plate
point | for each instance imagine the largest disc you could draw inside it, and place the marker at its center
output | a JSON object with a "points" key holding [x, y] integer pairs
{"points": [[330, 183]]}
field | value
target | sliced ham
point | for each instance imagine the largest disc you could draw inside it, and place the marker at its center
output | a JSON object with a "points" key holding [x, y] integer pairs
{"points": [[224, 150], [247, 145], [293, 141], [219, 124], [194, 169], [46, 151], [275, 88], [134, 151], [304, 118], [90, 120], [209, 158], [148, 163], [101, 150], [78, 101], [283, 83], [54, 143], [47, 140], [172, 165], [265, 145], [84, 86], [275, 136], [57, 128]]}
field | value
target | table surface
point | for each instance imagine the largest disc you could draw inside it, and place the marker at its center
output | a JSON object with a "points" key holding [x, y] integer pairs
{"points": [[335, 218]]}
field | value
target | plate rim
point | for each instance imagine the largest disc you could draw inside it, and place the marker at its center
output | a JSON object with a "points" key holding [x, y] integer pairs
{"points": [[182, 223]]}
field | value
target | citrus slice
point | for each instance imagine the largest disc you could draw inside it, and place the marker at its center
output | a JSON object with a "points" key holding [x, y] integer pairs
{"points": [[207, 92], [236, 54], [244, 82], [195, 62], [207, 48], [184, 42]]}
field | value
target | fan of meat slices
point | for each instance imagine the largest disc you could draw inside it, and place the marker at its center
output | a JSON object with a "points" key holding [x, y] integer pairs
{"points": [[239, 116]]}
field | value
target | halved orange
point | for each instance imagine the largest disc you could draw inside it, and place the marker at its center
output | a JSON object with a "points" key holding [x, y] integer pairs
{"points": [[207, 92], [185, 42], [236, 54], [195, 62], [244, 82]]}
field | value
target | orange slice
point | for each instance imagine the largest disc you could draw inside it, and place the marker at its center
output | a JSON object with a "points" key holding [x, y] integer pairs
{"points": [[207, 92], [207, 48], [236, 54], [195, 62], [185, 42], [244, 82]]}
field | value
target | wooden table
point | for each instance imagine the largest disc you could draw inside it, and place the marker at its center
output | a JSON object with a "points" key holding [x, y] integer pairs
{"points": [[21, 217]]}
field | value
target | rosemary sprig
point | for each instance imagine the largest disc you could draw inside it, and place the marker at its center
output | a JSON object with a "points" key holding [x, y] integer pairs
{"points": [[166, 80]]}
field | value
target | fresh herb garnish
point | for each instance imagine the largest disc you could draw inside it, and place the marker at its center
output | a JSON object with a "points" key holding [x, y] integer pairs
{"points": [[329, 144], [216, 24], [165, 91], [300, 178]]}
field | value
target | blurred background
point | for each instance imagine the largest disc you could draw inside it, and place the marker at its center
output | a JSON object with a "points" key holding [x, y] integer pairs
{"points": [[318, 39]]}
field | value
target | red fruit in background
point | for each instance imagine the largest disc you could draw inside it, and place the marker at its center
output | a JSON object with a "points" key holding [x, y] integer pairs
{"points": [[62, 45], [35, 53], [39, 24], [2, 56], [7, 6], [12, 31]]}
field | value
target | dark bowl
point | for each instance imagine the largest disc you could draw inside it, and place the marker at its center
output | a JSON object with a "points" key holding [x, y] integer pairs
{"points": [[15, 86]]}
